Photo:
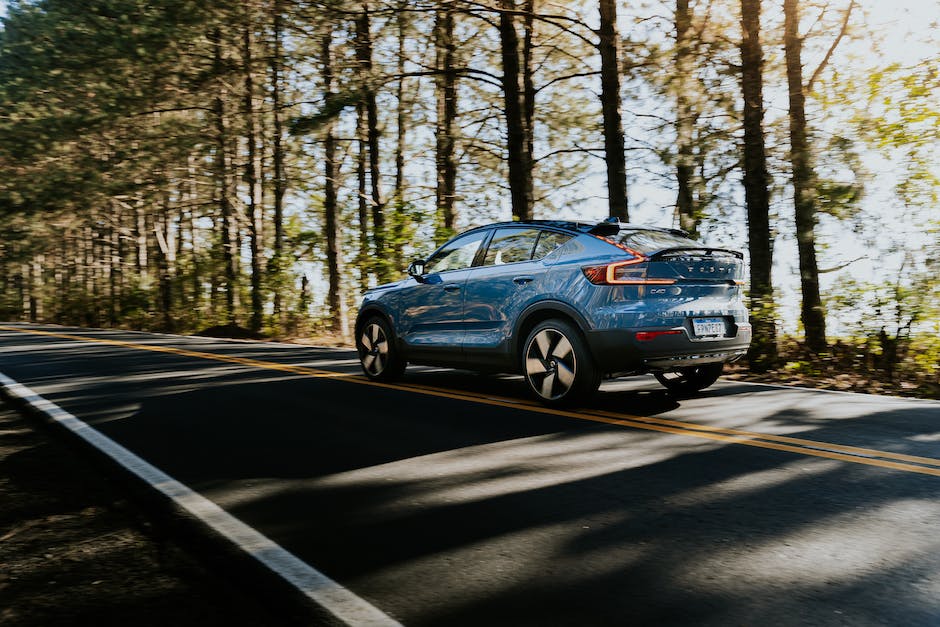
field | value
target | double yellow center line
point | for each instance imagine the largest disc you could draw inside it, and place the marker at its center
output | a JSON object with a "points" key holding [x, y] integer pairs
{"points": [[852, 454]]}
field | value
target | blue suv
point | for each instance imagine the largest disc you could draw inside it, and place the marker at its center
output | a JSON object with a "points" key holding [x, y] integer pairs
{"points": [[564, 304]]}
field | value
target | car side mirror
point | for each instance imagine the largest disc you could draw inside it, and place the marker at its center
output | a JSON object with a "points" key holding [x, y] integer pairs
{"points": [[416, 270]]}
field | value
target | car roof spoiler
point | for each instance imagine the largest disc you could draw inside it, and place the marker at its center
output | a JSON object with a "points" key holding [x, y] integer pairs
{"points": [[613, 225]]}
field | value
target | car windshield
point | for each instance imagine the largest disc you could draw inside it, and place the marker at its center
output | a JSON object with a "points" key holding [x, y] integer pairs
{"points": [[650, 241]]}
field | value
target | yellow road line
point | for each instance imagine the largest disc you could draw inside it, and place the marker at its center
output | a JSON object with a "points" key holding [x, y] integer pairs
{"points": [[852, 454], [854, 450]]}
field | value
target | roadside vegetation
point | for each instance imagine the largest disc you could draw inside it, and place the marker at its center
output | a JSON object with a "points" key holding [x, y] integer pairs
{"points": [[249, 168]]}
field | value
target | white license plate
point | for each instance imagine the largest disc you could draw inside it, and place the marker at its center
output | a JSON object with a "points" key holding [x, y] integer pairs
{"points": [[705, 327]]}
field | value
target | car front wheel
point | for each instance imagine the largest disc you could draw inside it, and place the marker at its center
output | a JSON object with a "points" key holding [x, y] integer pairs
{"points": [[691, 379], [378, 355], [557, 364]]}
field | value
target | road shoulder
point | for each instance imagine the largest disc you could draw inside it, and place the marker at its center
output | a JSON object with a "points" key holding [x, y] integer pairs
{"points": [[74, 550]]}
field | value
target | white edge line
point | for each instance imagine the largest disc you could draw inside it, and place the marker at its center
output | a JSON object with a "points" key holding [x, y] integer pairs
{"points": [[323, 591]]}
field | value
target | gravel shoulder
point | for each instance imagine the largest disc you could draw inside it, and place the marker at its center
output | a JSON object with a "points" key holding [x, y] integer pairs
{"points": [[75, 551]]}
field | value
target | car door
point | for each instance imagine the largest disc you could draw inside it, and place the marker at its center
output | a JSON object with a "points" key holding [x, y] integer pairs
{"points": [[506, 281], [431, 306]]}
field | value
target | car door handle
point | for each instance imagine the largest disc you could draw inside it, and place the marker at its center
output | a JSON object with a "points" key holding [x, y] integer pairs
{"points": [[522, 280], [451, 288]]}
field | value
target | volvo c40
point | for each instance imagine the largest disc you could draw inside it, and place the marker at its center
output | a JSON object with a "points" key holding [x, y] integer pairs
{"points": [[564, 304]]}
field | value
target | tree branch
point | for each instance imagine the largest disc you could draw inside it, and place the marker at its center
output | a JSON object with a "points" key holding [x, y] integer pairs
{"points": [[832, 48], [841, 265]]}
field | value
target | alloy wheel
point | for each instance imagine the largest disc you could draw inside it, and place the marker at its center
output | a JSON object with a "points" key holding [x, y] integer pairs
{"points": [[375, 356], [550, 364]]}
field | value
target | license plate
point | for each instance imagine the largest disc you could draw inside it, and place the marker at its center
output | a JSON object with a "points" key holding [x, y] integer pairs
{"points": [[705, 327]]}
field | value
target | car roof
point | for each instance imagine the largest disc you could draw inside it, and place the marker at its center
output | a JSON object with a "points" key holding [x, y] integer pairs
{"points": [[607, 227]]}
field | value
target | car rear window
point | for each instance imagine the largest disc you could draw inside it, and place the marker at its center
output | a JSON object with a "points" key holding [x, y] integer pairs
{"points": [[649, 241], [549, 241], [510, 246]]}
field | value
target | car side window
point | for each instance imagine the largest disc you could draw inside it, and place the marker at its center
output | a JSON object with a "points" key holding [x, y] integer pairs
{"points": [[510, 246], [548, 242], [457, 254]]}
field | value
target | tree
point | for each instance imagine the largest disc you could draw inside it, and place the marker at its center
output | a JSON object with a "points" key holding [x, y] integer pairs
{"points": [[365, 67], [228, 224], [688, 212], [520, 160], [446, 87], [763, 350], [336, 296], [804, 192], [276, 61], [253, 174], [614, 155]]}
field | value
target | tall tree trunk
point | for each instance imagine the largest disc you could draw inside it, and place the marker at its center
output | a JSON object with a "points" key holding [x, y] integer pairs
{"points": [[445, 190], [520, 161], [364, 59], [87, 261], [229, 226], [336, 297], [21, 284], [687, 209], [399, 218], [166, 251], [365, 260], [804, 191], [253, 173], [190, 227], [763, 351], [36, 288], [277, 158], [528, 95], [614, 149], [140, 236], [115, 260]]}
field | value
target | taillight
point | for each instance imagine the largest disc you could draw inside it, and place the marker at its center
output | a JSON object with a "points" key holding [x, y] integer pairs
{"points": [[622, 273]]}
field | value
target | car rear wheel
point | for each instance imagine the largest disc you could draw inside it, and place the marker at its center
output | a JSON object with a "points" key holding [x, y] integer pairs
{"points": [[691, 379], [557, 364], [378, 355]]}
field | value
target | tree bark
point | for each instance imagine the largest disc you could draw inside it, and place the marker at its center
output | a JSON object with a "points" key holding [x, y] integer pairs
{"points": [[277, 158], [804, 189], [365, 260], [228, 224], [336, 297], [253, 173], [364, 59], [763, 351], [166, 252], [195, 304], [445, 190], [520, 161], [528, 95], [688, 211], [115, 273], [399, 216], [614, 149]]}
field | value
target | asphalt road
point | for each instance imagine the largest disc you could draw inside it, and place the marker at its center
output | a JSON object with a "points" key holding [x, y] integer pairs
{"points": [[452, 499]]}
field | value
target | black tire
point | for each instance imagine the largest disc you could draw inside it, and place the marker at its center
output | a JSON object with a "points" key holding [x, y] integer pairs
{"points": [[378, 355], [557, 364], [691, 379]]}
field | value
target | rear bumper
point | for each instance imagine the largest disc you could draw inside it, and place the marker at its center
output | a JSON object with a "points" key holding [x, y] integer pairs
{"points": [[619, 351]]}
